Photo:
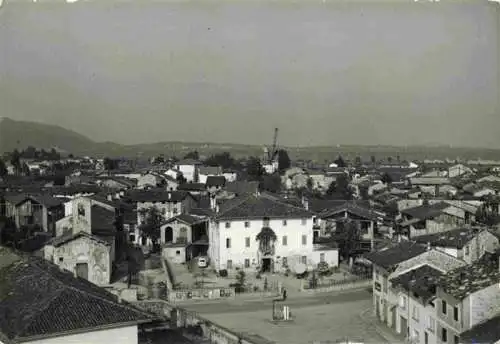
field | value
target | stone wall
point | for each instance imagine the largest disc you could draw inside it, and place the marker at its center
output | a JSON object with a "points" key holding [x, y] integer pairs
{"points": [[200, 294], [365, 283]]}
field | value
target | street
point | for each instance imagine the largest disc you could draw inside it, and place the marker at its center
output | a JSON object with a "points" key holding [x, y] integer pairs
{"points": [[295, 301], [322, 317]]}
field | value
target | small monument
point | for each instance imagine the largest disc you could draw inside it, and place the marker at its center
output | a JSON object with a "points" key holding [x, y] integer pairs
{"points": [[281, 312]]}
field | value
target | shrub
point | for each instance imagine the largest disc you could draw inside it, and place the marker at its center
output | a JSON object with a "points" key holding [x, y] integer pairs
{"points": [[223, 273]]}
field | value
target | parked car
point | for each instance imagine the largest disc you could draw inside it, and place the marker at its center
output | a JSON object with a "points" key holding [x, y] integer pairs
{"points": [[202, 262]]}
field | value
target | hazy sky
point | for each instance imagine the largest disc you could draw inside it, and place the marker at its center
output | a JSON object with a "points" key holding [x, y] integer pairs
{"points": [[323, 73]]}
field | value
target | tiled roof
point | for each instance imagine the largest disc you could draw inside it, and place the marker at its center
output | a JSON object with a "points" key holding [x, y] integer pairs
{"points": [[188, 162], [429, 181], [210, 170], [46, 200], [187, 219], [242, 187], [468, 279], [39, 299], [215, 181], [320, 205], [426, 211], [102, 220], [156, 195], [485, 332], [352, 208], [62, 239], [456, 238], [192, 187], [421, 281], [392, 256], [258, 207], [75, 189]]}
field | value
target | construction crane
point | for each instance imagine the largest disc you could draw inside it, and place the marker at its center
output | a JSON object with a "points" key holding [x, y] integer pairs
{"points": [[274, 150]]}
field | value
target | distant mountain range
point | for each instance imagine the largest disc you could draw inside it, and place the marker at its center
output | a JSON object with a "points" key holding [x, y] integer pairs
{"points": [[21, 134]]}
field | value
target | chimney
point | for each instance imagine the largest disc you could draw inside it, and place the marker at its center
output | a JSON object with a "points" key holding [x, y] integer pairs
{"points": [[428, 246], [305, 203], [169, 195], [110, 197], [122, 193], [216, 208]]}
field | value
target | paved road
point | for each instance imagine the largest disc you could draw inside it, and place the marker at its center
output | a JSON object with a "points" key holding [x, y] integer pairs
{"points": [[242, 306]]}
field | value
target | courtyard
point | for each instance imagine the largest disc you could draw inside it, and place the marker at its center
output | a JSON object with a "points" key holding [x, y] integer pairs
{"points": [[318, 318]]}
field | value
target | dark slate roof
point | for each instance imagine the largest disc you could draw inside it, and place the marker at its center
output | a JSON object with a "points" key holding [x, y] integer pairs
{"points": [[210, 170], [422, 281], [45, 200], [389, 257], [75, 189], [215, 181], [242, 187], [202, 201], [426, 211], [354, 209], [62, 239], [188, 162], [456, 238], [486, 332], [40, 299], [192, 187], [102, 220], [156, 195], [259, 207], [468, 279]]}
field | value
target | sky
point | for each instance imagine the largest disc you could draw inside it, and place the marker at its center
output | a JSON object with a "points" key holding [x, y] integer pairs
{"points": [[324, 73]]}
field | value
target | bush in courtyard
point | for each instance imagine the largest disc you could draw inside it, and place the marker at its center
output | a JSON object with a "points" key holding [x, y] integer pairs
{"points": [[266, 286], [223, 273], [313, 281], [324, 269]]}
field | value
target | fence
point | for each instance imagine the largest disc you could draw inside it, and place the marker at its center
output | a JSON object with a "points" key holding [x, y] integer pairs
{"points": [[351, 282], [176, 295]]}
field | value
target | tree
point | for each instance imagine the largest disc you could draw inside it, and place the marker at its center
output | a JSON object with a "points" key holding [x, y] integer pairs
{"points": [[348, 237], [54, 155], [340, 162], [485, 215], [271, 183], [343, 187], [3, 169], [373, 159], [310, 184], [254, 169], [110, 164], [224, 160], [15, 160], [389, 159], [135, 261], [386, 178], [363, 191], [180, 178], [29, 153], [25, 169], [192, 155], [150, 228], [283, 160], [266, 239], [358, 162], [121, 241]]}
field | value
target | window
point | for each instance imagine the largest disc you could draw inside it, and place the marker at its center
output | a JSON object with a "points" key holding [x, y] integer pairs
{"points": [[304, 240], [61, 259], [322, 257], [467, 250], [265, 222], [178, 253], [247, 242], [228, 225], [402, 302], [284, 240], [175, 210], [285, 261], [431, 324], [304, 259], [247, 224], [229, 264], [163, 211], [443, 307], [284, 223], [415, 314], [444, 335], [81, 210], [247, 263], [228, 242], [456, 340], [217, 224], [455, 313], [303, 222]]}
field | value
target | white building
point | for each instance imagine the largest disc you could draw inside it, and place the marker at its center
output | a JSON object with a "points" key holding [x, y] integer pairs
{"points": [[234, 229], [189, 169]]}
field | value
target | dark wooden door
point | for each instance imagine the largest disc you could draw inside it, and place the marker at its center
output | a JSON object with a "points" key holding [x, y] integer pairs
{"points": [[82, 270]]}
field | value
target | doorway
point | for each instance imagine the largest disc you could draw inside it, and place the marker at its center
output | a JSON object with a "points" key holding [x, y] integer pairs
{"points": [[266, 265], [82, 270], [169, 234]]}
